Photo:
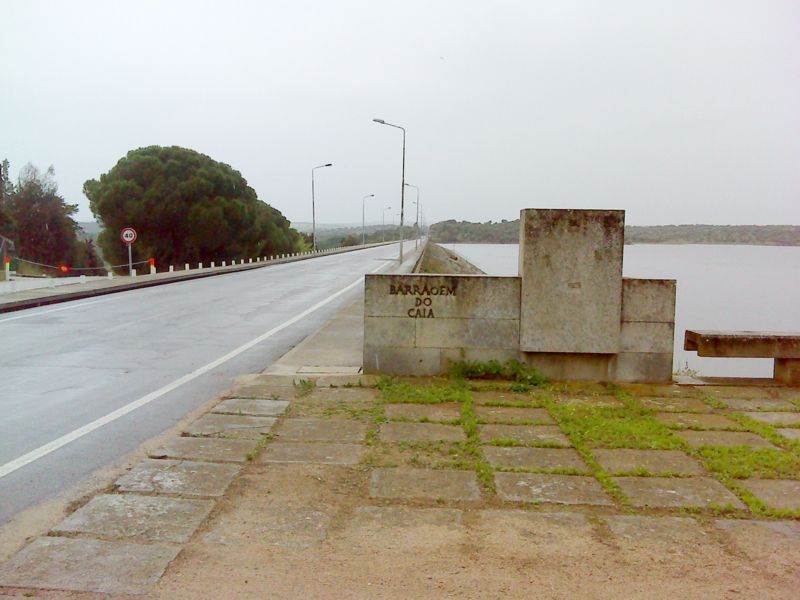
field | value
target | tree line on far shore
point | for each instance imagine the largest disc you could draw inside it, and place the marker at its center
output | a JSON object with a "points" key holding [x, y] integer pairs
{"points": [[507, 232]]}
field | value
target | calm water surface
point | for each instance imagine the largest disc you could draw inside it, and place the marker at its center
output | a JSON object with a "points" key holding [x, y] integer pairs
{"points": [[719, 287]]}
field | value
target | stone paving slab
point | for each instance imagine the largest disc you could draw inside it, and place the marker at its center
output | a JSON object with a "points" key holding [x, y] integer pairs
{"points": [[321, 430], [178, 477], [321, 453], [755, 404], [618, 461], [449, 411], [699, 420], [675, 404], [591, 400], [506, 531], [138, 518], [743, 391], [507, 414], [231, 426], [405, 529], [676, 492], [728, 439], [272, 522], [775, 418], [405, 517], [545, 459], [789, 433], [423, 483], [206, 449], [524, 434], [252, 407], [637, 531], [265, 391], [508, 397], [783, 494], [342, 394], [558, 489], [767, 540], [87, 566], [421, 432]]}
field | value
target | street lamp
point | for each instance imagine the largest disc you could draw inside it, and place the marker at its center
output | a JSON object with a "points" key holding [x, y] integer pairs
{"points": [[313, 209], [383, 223], [416, 223], [363, 226], [402, 182]]}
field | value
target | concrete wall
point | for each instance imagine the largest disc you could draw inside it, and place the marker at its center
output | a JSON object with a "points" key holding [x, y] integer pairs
{"points": [[437, 259], [570, 262], [646, 336], [417, 324], [569, 313]]}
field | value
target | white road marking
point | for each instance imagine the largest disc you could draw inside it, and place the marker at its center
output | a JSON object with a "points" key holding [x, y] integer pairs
{"points": [[52, 310], [42, 451]]}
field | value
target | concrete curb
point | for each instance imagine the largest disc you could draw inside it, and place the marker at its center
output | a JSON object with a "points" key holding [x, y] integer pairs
{"points": [[163, 279]]}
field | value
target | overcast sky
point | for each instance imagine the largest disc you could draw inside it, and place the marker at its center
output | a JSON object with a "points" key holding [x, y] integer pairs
{"points": [[678, 111]]}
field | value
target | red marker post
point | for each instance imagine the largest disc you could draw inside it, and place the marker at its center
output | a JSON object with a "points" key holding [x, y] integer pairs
{"points": [[129, 236], [152, 266]]}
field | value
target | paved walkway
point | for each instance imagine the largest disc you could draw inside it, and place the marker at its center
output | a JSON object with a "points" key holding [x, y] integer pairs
{"points": [[305, 482]]}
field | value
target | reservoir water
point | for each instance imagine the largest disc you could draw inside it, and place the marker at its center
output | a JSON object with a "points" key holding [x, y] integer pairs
{"points": [[719, 287]]}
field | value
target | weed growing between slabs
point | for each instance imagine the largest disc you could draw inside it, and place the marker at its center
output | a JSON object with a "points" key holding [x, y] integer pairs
{"points": [[262, 443], [592, 417], [304, 387]]}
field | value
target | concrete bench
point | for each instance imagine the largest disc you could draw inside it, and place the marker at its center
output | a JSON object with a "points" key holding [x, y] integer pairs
{"points": [[782, 346]]}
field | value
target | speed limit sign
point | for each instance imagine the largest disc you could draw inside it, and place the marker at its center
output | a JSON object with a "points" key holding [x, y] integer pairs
{"points": [[128, 235]]}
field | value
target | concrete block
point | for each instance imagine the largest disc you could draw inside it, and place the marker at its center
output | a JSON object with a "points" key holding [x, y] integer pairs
{"points": [[206, 449], [390, 331], [402, 361], [251, 407], [644, 367], [467, 333], [650, 300], [320, 453], [322, 430], [640, 336], [144, 518], [565, 366], [436, 296], [556, 489], [81, 565], [571, 280], [676, 492], [178, 477], [408, 484], [787, 370], [436, 259]]}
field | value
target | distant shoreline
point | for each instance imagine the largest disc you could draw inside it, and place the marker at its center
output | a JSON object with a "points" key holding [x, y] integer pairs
{"points": [[507, 232]]}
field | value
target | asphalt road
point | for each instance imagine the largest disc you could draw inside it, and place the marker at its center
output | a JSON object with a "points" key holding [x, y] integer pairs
{"points": [[153, 355]]}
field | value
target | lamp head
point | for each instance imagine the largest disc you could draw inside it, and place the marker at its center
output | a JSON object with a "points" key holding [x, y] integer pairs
{"points": [[328, 165], [381, 121]]}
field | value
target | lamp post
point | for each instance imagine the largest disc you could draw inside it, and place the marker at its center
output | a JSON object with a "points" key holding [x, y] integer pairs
{"points": [[313, 208], [363, 225], [402, 181], [383, 223], [416, 223]]}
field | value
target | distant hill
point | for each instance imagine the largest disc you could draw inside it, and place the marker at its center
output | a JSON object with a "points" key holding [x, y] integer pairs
{"points": [[89, 229], [507, 232]]}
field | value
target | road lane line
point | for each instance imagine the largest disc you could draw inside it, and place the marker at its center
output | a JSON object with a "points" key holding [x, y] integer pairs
{"points": [[42, 451], [52, 310]]}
